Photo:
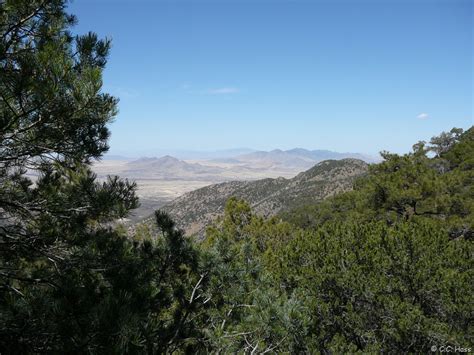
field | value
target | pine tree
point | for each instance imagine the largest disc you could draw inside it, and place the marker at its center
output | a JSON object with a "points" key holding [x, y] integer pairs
{"points": [[54, 214]]}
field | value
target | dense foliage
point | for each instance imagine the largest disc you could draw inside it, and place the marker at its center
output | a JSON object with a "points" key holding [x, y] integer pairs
{"points": [[68, 281], [434, 182], [386, 267]]}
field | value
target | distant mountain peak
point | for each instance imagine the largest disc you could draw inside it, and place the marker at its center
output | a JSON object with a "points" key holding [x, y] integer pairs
{"points": [[168, 158], [168, 168], [296, 150]]}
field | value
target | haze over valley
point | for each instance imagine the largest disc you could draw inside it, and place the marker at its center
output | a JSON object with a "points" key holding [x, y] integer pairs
{"points": [[162, 179]]}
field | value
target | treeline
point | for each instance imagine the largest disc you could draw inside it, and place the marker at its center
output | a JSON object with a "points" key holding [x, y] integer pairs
{"points": [[387, 267]]}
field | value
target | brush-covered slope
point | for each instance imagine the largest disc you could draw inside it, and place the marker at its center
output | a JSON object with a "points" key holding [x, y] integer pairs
{"points": [[195, 210]]}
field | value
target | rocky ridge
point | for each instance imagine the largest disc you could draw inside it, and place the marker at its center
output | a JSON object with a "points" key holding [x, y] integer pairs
{"points": [[197, 209]]}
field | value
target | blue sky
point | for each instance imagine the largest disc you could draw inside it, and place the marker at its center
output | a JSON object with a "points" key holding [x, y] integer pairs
{"points": [[359, 76]]}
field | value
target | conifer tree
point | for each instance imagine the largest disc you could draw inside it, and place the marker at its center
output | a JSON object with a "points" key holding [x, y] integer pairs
{"points": [[54, 214]]}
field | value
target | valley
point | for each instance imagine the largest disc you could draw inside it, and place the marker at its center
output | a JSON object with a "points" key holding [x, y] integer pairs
{"points": [[162, 180]]}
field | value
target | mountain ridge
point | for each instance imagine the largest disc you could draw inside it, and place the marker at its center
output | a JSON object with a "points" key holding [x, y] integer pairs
{"points": [[267, 197]]}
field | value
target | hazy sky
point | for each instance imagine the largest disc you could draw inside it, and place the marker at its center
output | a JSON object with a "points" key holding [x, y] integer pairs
{"points": [[359, 76]]}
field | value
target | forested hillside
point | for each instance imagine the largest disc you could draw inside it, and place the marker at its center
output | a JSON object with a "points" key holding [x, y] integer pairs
{"points": [[387, 267]]}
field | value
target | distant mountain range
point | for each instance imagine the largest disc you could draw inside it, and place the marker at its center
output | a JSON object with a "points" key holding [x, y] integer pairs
{"points": [[161, 180], [245, 154], [241, 167], [195, 210], [297, 157], [183, 154]]}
